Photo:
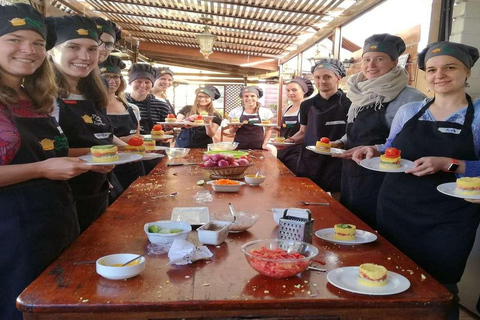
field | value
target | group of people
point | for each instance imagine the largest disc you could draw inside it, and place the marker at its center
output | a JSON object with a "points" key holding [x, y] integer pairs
{"points": [[54, 106]]}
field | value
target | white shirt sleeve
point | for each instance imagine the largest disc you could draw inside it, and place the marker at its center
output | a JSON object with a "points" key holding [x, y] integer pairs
{"points": [[265, 113], [235, 113]]}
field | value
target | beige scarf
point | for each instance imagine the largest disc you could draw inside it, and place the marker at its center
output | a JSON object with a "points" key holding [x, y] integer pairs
{"points": [[372, 93]]}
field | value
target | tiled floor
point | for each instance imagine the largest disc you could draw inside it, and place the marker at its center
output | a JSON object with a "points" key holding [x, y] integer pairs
{"points": [[467, 316]]}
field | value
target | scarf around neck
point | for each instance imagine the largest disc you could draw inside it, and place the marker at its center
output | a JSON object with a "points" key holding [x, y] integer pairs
{"points": [[366, 94]]}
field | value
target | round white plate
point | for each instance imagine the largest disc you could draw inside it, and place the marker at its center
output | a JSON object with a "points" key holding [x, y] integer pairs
{"points": [[273, 142], [152, 155], [266, 125], [192, 124], [374, 164], [181, 123], [360, 237], [235, 123], [164, 137], [346, 278], [449, 190], [125, 157], [158, 148], [332, 151]]}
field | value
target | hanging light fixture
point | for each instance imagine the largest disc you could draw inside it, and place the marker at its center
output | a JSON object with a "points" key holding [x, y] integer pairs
{"points": [[206, 39]]}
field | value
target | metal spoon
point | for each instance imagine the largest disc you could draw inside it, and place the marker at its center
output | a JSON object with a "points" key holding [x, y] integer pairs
{"points": [[306, 203], [123, 265], [232, 212], [316, 269], [256, 174]]}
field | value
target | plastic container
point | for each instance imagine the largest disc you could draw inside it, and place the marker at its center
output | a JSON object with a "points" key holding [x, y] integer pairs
{"points": [[214, 232], [225, 187]]}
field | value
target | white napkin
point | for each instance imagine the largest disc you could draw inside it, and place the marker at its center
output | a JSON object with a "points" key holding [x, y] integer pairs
{"points": [[295, 212], [183, 252]]}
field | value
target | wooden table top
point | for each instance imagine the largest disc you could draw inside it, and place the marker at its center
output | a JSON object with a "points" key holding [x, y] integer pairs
{"points": [[225, 286]]}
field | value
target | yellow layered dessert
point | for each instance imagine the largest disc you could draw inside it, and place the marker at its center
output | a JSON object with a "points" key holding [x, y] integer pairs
{"points": [[104, 153], [266, 122], [372, 275], [149, 144], [344, 231], [391, 159], [279, 139], [203, 113], [157, 131], [323, 144], [469, 186], [170, 118], [235, 120], [135, 145], [199, 120]]}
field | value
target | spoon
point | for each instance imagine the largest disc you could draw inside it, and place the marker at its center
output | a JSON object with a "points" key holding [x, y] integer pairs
{"points": [[232, 212], [256, 174], [123, 265], [306, 203]]}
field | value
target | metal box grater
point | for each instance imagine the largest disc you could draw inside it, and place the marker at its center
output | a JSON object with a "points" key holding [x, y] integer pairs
{"points": [[295, 228]]}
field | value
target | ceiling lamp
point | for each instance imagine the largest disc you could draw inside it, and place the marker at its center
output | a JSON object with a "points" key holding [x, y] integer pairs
{"points": [[318, 56], [206, 39]]}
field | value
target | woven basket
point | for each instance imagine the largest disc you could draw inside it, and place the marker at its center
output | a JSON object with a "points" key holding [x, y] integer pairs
{"points": [[233, 172]]}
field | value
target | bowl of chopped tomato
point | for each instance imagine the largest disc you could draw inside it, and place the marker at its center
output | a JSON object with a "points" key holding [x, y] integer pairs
{"points": [[225, 185], [279, 258]]}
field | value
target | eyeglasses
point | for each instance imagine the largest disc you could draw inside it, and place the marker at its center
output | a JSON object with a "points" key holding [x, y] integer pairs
{"points": [[108, 45], [108, 78], [203, 97]]}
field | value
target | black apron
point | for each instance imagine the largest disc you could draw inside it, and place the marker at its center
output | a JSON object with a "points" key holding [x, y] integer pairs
{"points": [[195, 137], [125, 125], [289, 156], [38, 217], [324, 170], [434, 230], [86, 126], [250, 136], [146, 126], [360, 186]]}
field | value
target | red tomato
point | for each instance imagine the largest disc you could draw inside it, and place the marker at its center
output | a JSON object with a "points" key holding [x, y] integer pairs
{"points": [[199, 117], [392, 153], [325, 140], [157, 127], [135, 141], [280, 269], [170, 115]]}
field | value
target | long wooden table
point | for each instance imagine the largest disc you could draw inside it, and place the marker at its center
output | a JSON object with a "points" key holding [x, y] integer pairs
{"points": [[226, 286]]}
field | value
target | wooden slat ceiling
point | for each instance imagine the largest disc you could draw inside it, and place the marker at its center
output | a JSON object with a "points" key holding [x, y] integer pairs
{"points": [[254, 30]]}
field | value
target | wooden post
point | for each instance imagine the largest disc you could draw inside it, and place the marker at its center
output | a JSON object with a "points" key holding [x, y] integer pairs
{"points": [[337, 42]]}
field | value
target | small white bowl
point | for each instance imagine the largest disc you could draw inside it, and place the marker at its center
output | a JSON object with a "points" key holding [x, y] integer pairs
{"points": [[105, 266], [222, 146], [254, 181], [158, 238], [225, 187], [214, 232]]}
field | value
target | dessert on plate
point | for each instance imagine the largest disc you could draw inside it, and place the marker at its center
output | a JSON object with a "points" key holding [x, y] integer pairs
{"points": [[170, 118], [372, 275], [390, 159], [149, 144], [157, 131], [235, 120], [203, 113], [469, 186], [266, 122], [104, 153], [199, 120], [344, 231], [279, 139], [135, 145], [323, 144]]}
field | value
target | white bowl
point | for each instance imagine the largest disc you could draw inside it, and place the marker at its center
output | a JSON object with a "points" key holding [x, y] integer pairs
{"points": [[214, 232], [222, 146], [174, 153], [106, 269], [168, 224], [254, 181], [225, 187]]}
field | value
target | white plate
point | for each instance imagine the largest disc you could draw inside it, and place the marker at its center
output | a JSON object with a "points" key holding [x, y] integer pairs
{"points": [[125, 157], [226, 188], [152, 155], [192, 124], [266, 125], [177, 123], [164, 137], [347, 279], [236, 123], [275, 143], [332, 151], [360, 237], [374, 164], [159, 148], [449, 190], [193, 215]]}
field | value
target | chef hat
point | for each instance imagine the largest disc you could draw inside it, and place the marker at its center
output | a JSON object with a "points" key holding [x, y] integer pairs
{"points": [[73, 27], [254, 89], [107, 26], [112, 65], [141, 71], [392, 45], [331, 64], [160, 71], [306, 85], [211, 91], [466, 54]]}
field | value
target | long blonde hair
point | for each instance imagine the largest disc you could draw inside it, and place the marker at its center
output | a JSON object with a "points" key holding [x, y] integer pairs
{"points": [[40, 87], [195, 108]]}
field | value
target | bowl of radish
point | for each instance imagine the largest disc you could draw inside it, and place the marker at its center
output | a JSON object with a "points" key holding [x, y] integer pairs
{"points": [[225, 166]]}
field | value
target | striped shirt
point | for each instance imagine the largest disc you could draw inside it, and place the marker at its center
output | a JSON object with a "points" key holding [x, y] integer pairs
{"points": [[158, 112]]}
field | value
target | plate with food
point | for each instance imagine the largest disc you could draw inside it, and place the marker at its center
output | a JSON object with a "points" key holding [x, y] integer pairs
{"points": [[374, 280], [325, 152], [162, 137], [105, 159], [196, 216], [376, 165], [345, 234], [465, 188], [152, 155], [173, 123], [266, 124], [280, 141]]}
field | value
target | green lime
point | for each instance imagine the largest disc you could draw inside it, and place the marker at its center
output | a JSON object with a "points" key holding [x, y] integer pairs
{"points": [[200, 182]]}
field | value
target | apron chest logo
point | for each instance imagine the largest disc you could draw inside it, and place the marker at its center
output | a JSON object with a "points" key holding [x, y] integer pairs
{"points": [[60, 130], [87, 119], [103, 135], [133, 131], [333, 123], [47, 144], [450, 130], [290, 122]]}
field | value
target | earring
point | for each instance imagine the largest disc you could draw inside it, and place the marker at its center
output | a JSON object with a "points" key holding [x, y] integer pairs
{"points": [[428, 89], [467, 85]]}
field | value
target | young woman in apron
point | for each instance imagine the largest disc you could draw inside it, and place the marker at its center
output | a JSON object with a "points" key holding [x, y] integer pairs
{"points": [[376, 94], [200, 137], [123, 116], [435, 230], [297, 90], [247, 134], [38, 217], [81, 109]]}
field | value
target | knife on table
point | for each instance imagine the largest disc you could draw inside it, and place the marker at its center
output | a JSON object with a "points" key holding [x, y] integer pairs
{"points": [[182, 164]]}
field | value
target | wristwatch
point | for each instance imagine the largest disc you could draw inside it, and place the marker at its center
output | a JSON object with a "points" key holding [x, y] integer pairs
{"points": [[453, 166]]}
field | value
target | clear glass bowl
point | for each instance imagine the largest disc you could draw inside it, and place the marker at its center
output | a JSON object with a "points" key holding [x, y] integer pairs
{"points": [[174, 153], [222, 146], [280, 267], [244, 221]]}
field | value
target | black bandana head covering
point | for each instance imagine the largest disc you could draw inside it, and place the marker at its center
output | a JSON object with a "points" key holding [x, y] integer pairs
{"points": [[73, 27], [141, 71], [160, 71], [254, 89], [307, 85], [21, 16], [392, 45], [331, 64], [211, 91], [107, 26], [112, 65], [466, 54]]}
